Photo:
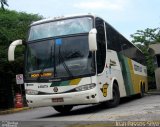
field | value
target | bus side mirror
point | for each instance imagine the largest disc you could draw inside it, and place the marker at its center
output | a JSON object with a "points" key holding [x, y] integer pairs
{"points": [[12, 49], [92, 40]]}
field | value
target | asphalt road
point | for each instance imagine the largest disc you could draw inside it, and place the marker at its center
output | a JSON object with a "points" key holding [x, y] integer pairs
{"points": [[130, 109]]}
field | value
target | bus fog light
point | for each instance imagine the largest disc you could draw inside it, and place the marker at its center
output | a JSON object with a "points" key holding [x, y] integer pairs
{"points": [[87, 97], [93, 96], [31, 92], [85, 87]]}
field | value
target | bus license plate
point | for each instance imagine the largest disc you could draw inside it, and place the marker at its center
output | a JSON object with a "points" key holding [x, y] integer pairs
{"points": [[57, 100]]}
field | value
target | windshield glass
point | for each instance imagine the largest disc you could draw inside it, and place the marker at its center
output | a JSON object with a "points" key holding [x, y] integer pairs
{"points": [[61, 27], [58, 58]]}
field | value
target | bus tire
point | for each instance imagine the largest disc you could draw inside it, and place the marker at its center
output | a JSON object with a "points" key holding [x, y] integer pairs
{"points": [[142, 91], [63, 108], [116, 97]]}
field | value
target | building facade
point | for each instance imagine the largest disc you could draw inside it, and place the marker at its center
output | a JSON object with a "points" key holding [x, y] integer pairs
{"points": [[154, 49]]}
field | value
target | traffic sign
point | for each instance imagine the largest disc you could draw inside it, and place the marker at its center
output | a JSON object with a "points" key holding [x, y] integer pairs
{"points": [[19, 79]]}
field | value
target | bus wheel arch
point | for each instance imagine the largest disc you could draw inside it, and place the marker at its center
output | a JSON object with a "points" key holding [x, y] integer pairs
{"points": [[141, 89], [115, 94], [63, 108], [144, 86]]}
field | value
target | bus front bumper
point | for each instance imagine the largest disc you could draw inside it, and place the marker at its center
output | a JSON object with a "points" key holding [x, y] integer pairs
{"points": [[74, 98]]}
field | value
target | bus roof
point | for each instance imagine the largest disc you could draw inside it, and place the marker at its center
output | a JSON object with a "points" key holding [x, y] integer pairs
{"points": [[75, 15], [60, 17]]}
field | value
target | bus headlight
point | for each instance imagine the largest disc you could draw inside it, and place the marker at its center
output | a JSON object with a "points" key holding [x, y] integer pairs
{"points": [[85, 87], [31, 92]]}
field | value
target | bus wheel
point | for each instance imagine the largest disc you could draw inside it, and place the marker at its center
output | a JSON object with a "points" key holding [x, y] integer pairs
{"points": [[63, 108], [116, 97], [142, 90]]}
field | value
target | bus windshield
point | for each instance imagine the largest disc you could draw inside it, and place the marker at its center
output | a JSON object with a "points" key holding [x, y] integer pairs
{"points": [[60, 27], [59, 58]]}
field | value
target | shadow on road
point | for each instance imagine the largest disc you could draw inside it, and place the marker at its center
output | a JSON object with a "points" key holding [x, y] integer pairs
{"points": [[91, 108]]}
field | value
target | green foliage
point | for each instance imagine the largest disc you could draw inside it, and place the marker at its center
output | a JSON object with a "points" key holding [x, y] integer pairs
{"points": [[13, 25], [143, 38], [146, 37]]}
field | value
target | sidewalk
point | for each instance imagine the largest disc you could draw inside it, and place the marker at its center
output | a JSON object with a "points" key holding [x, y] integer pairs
{"points": [[13, 110], [154, 92]]}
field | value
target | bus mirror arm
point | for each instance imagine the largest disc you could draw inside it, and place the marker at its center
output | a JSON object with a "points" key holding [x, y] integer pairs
{"points": [[92, 40], [11, 49], [24, 43]]}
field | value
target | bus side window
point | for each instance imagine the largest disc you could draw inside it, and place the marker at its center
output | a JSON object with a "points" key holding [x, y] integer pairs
{"points": [[113, 40], [101, 45]]}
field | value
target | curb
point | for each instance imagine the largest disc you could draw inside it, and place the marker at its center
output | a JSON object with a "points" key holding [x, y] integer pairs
{"points": [[13, 110], [153, 92]]}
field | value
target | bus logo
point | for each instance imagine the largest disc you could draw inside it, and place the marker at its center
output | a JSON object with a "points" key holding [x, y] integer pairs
{"points": [[104, 89], [55, 89]]}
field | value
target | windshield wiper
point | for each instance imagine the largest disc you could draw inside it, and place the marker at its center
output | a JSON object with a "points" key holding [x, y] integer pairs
{"points": [[43, 68], [60, 59], [74, 54], [64, 64]]}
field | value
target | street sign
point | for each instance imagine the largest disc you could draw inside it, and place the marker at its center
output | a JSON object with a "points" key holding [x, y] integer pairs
{"points": [[19, 79]]}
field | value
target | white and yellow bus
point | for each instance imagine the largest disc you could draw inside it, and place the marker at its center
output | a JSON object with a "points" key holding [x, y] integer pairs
{"points": [[77, 60]]}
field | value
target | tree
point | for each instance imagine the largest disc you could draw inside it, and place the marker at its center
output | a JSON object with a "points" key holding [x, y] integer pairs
{"points": [[147, 36], [3, 3], [13, 25], [143, 38]]}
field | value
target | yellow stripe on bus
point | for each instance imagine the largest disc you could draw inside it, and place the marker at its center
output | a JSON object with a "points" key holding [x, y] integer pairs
{"points": [[75, 81]]}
